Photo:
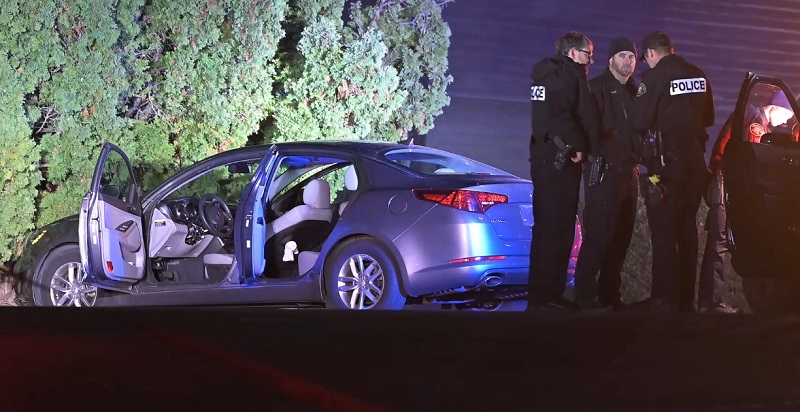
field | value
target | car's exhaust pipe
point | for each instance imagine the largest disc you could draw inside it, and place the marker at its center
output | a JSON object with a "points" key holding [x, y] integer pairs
{"points": [[492, 281]]}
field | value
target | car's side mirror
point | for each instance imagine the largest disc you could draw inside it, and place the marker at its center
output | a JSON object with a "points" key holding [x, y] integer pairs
{"points": [[778, 139], [240, 168]]}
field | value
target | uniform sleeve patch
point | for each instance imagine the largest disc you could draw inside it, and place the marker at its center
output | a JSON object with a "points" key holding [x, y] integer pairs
{"points": [[756, 129], [537, 93], [642, 90]]}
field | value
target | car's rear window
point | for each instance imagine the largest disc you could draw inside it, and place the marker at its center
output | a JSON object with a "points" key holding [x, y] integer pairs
{"points": [[437, 162]]}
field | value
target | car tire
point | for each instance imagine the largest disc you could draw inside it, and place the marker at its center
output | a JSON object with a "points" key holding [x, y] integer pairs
{"points": [[63, 264], [365, 289]]}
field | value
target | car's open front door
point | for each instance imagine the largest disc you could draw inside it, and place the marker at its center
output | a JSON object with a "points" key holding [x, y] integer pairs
{"points": [[761, 165], [110, 230], [250, 235]]}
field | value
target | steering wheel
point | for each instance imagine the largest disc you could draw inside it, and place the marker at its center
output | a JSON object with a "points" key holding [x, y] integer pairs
{"points": [[216, 217]]}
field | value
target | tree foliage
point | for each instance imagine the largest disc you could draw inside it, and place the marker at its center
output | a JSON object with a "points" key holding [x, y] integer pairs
{"points": [[418, 40], [174, 81], [337, 90]]}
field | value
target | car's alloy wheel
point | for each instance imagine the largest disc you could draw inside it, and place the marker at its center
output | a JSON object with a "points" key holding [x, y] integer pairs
{"points": [[60, 280], [67, 287], [360, 274], [360, 282]]}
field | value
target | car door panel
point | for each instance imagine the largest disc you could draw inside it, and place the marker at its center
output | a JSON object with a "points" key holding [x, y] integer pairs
{"points": [[771, 176], [121, 243], [111, 233]]}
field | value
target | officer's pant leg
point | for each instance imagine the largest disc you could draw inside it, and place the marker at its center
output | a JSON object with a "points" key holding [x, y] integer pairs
{"points": [[538, 281], [687, 247], [555, 204], [569, 194], [662, 221], [719, 272], [712, 276], [598, 226], [625, 219]]}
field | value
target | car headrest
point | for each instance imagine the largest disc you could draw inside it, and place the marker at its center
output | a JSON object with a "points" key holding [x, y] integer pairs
{"points": [[444, 171], [350, 178], [317, 194]]}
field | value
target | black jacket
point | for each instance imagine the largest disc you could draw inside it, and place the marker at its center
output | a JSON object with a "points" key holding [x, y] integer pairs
{"points": [[562, 104], [619, 143], [675, 98]]}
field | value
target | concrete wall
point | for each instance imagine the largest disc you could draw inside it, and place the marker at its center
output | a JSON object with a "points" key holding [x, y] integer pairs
{"points": [[495, 43]]}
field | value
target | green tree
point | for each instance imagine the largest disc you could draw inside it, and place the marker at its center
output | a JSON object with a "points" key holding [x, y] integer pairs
{"points": [[418, 40], [17, 165], [29, 50], [336, 90], [405, 39]]}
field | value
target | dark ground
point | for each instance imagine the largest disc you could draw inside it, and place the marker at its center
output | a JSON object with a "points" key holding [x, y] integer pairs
{"points": [[268, 359]]}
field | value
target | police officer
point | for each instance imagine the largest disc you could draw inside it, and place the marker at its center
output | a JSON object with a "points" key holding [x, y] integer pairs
{"points": [[564, 117], [610, 183], [674, 106]]}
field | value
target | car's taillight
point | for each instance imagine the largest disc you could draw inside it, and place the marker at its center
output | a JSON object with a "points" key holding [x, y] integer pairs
{"points": [[469, 200], [477, 259]]}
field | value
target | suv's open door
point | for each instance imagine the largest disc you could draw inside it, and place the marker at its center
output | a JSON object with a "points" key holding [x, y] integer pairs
{"points": [[110, 230], [761, 165], [250, 235]]}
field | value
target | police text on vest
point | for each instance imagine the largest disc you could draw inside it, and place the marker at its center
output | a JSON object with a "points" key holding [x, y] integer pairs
{"points": [[537, 93], [683, 86]]}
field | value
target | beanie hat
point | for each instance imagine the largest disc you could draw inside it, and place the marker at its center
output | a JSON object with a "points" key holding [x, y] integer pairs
{"points": [[621, 44]]}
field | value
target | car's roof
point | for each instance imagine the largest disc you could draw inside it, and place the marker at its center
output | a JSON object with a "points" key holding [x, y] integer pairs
{"points": [[362, 147], [368, 148]]}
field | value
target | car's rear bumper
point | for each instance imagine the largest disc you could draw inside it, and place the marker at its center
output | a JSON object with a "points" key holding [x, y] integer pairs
{"points": [[452, 277]]}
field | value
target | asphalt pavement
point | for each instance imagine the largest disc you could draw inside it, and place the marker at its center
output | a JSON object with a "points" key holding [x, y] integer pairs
{"points": [[270, 359]]}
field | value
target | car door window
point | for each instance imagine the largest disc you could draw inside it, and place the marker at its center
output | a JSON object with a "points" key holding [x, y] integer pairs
{"points": [[219, 181], [768, 112], [116, 180], [299, 170]]}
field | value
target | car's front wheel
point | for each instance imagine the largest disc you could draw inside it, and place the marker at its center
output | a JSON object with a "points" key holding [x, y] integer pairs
{"points": [[360, 275], [60, 280]]}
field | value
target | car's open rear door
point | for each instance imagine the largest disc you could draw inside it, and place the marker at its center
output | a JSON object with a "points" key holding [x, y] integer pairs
{"points": [[110, 230]]}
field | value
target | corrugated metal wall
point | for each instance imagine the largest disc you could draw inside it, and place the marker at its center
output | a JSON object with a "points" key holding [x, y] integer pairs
{"points": [[495, 43]]}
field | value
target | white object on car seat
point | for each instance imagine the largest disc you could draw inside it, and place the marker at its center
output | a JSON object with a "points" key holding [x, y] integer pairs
{"points": [[289, 251]]}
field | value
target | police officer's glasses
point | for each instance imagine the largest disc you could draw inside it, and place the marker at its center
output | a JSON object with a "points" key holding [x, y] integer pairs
{"points": [[588, 53]]}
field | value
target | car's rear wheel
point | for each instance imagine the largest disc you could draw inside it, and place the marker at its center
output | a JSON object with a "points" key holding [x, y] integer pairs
{"points": [[60, 280], [360, 275]]}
